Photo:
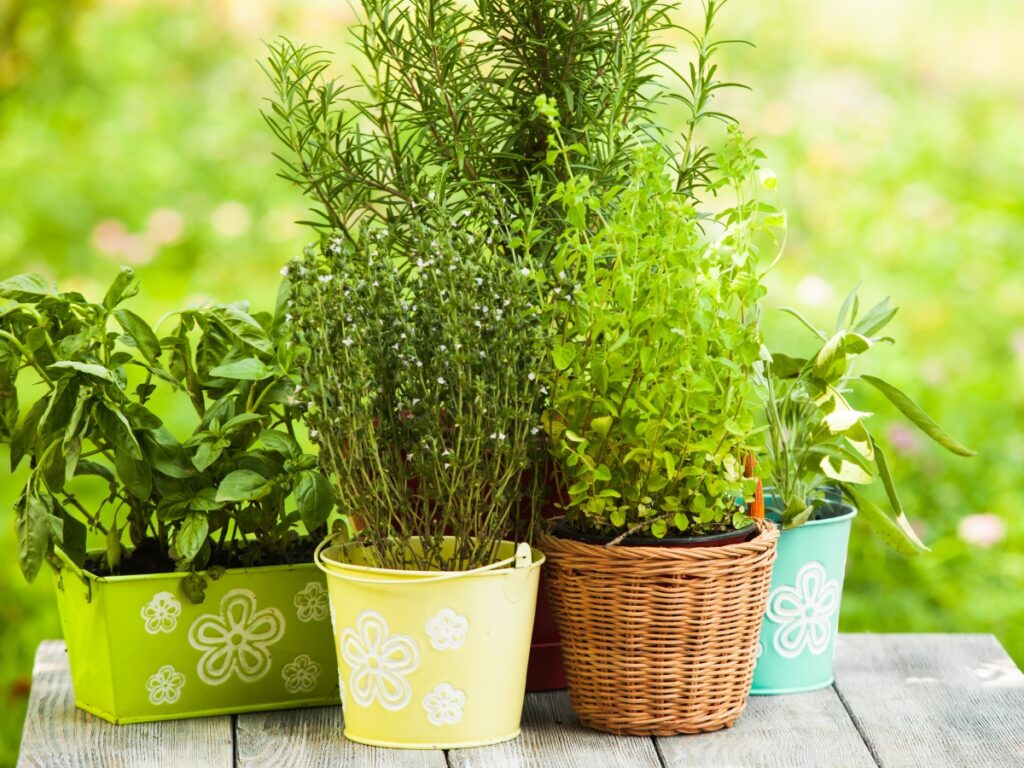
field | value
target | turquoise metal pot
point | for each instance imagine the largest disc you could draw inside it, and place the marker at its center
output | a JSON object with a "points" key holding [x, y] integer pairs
{"points": [[802, 618]]}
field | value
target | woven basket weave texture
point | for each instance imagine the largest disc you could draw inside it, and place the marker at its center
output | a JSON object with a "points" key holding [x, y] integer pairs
{"points": [[659, 640]]}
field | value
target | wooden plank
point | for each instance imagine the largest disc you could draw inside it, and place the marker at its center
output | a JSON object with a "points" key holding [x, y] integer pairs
{"points": [[553, 736], [313, 738], [807, 730], [57, 734], [933, 700]]}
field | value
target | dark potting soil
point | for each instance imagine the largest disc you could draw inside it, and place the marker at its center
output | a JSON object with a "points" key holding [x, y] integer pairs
{"points": [[149, 558]]}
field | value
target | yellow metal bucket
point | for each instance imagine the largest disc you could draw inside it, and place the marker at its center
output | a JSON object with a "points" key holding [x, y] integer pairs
{"points": [[428, 659]]}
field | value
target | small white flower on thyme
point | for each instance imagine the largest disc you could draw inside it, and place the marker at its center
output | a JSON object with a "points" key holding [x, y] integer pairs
{"points": [[525, 271], [284, 271], [326, 278], [479, 281], [440, 380], [534, 430], [430, 195], [347, 342], [482, 353], [531, 376], [313, 434], [287, 318]]}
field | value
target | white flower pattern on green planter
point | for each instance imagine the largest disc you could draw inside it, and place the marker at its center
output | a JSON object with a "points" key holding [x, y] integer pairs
{"points": [[804, 612], [237, 640], [165, 686], [379, 662], [311, 602], [447, 630], [300, 674], [161, 613], [444, 704]]}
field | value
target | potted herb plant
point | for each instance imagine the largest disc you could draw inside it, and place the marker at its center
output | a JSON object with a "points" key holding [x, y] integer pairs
{"points": [[202, 598], [821, 455], [657, 575], [421, 377], [450, 85]]}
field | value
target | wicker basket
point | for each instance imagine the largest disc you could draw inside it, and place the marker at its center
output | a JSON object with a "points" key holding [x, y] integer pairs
{"points": [[659, 640]]}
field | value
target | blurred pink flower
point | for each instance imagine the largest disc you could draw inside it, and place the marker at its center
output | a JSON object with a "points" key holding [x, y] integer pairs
{"points": [[110, 237], [165, 226], [904, 439], [1017, 343], [982, 529]]}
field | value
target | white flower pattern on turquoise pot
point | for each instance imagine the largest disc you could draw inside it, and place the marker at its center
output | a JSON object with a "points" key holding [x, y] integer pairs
{"points": [[379, 662], [447, 630], [300, 674], [804, 612], [165, 686], [161, 613], [237, 640], [311, 602], [444, 704]]}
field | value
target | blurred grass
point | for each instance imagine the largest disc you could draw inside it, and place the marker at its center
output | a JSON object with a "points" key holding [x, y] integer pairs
{"points": [[129, 133]]}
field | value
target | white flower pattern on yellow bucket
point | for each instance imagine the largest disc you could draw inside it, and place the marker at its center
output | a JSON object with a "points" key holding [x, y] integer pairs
{"points": [[161, 613], [804, 612], [379, 662], [311, 602], [447, 630], [165, 686], [300, 674], [444, 704], [237, 640]]}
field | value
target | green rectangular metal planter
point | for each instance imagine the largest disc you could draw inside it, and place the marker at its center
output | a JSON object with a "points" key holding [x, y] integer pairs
{"points": [[140, 651]]}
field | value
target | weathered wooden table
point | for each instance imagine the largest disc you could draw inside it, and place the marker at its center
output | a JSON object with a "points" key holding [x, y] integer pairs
{"points": [[924, 701]]}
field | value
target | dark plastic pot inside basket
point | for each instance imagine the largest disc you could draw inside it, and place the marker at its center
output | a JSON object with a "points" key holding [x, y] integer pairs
{"points": [[562, 529]]}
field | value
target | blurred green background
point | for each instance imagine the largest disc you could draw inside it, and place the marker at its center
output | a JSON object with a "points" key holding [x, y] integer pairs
{"points": [[130, 134]]}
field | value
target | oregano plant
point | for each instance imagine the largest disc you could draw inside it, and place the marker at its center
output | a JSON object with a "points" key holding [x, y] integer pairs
{"points": [[233, 491], [653, 398]]}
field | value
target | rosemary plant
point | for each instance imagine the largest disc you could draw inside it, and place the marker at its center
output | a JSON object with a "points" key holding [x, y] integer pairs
{"points": [[448, 91], [420, 374]]}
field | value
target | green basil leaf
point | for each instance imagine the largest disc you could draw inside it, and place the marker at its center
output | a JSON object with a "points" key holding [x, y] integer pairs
{"points": [[140, 332], [135, 473], [33, 532], [315, 499], [27, 288], [247, 369], [123, 287], [191, 535], [243, 485]]}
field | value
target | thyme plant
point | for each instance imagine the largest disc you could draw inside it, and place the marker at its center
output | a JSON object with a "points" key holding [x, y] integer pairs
{"points": [[420, 367]]}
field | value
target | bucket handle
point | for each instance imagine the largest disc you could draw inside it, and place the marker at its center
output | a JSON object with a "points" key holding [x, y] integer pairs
{"points": [[67, 562], [521, 559]]}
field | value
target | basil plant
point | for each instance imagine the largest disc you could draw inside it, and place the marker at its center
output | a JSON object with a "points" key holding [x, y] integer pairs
{"points": [[84, 388], [819, 445]]}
